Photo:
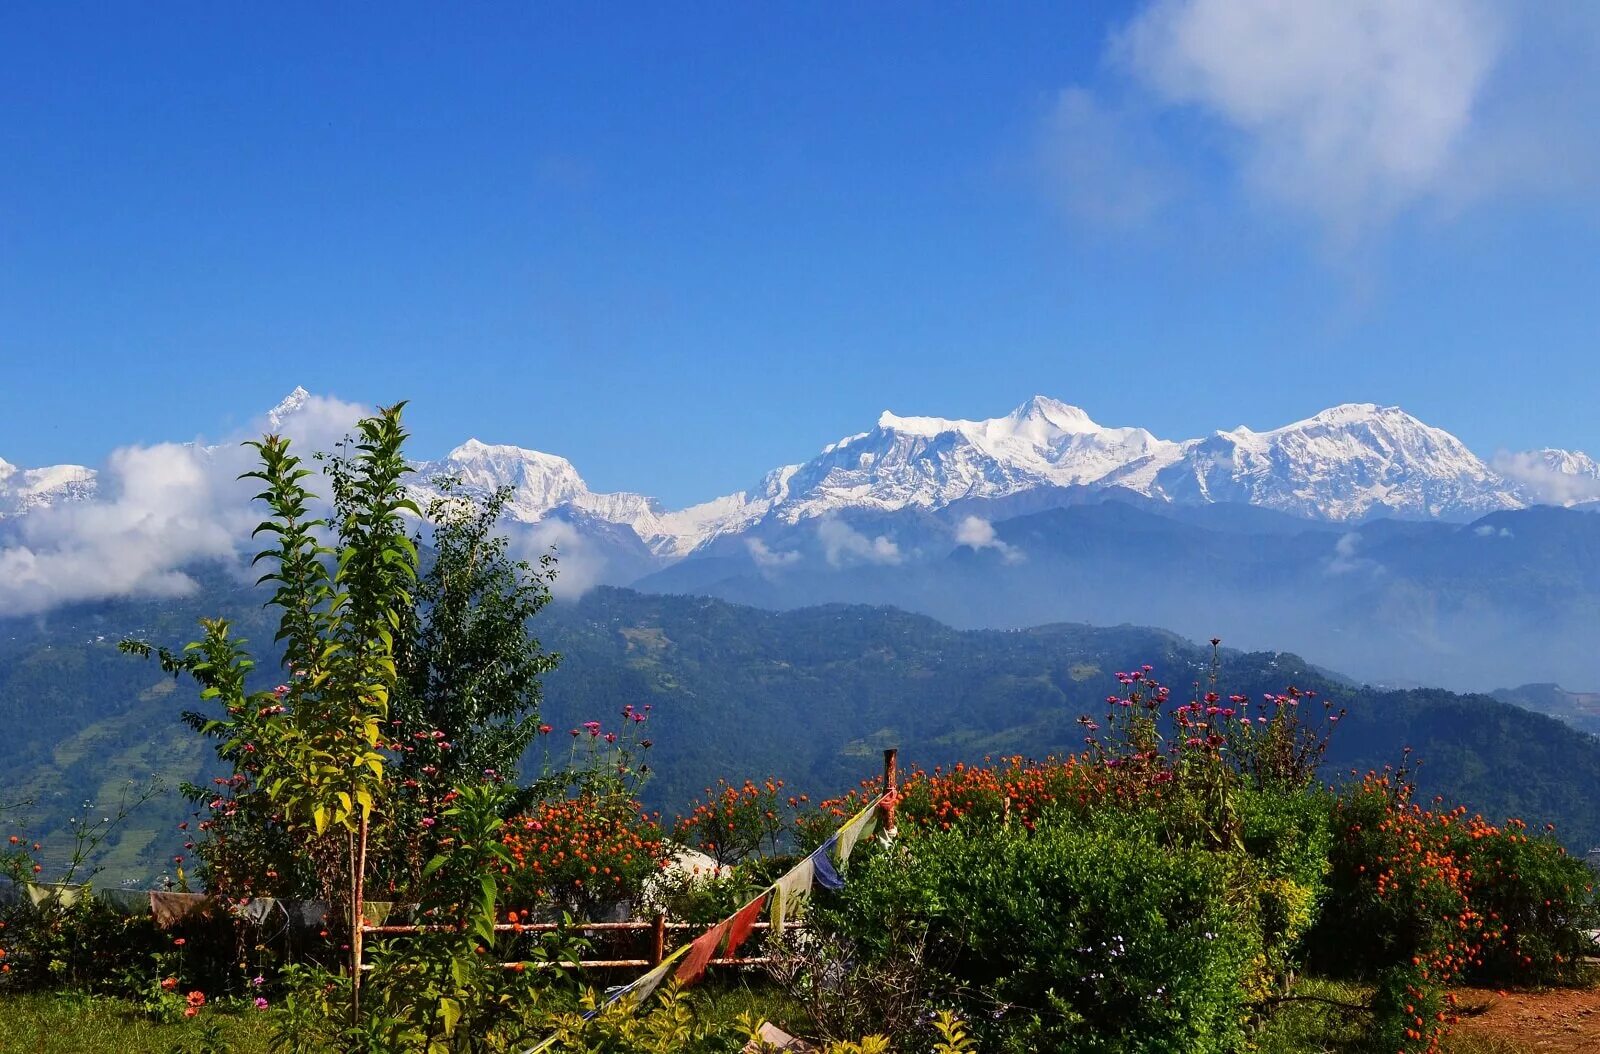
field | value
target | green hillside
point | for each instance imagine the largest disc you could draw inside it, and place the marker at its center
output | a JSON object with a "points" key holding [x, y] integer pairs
{"points": [[810, 695]]}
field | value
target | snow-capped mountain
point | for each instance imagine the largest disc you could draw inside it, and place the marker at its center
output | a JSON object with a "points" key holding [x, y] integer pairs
{"points": [[1553, 477], [1346, 463], [931, 462], [23, 489], [540, 483], [1349, 462]]}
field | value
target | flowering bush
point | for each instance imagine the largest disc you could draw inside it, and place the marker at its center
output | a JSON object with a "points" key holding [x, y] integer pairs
{"points": [[1540, 898], [579, 854], [1400, 911], [731, 823]]}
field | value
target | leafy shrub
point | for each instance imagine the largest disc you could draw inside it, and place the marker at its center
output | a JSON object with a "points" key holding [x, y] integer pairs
{"points": [[731, 824], [1063, 938], [1399, 911], [1287, 837]]}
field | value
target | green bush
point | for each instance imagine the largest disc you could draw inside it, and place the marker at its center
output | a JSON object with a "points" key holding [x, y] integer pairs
{"points": [[1066, 939], [1287, 836]]}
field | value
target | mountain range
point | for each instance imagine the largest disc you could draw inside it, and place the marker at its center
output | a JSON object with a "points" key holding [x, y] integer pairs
{"points": [[1361, 537], [1347, 464]]}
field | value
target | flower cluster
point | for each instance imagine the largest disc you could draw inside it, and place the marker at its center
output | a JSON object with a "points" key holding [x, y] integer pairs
{"points": [[580, 853], [1399, 882], [731, 824]]}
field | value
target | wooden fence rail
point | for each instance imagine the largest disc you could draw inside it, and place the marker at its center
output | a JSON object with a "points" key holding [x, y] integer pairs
{"points": [[657, 926]]}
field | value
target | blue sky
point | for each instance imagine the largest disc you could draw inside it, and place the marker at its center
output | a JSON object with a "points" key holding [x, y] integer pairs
{"points": [[682, 249]]}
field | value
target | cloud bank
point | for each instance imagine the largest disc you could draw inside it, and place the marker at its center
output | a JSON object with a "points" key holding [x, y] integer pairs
{"points": [[157, 510], [979, 534], [1569, 480], [844, 545]]}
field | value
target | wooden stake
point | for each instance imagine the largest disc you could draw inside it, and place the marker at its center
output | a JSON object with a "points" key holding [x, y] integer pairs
{"points": [[891, 788]]}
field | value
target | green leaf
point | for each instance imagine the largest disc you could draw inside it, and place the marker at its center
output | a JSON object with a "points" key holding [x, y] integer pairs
{"points": [[450, 1014]]}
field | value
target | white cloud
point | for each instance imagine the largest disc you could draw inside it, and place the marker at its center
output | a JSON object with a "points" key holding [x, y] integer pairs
{"points": [[157, 510], [979, 534], [1484, 530], [844, 544], [1351, 109], [767, 558], [1346, 559], [580, 565]]}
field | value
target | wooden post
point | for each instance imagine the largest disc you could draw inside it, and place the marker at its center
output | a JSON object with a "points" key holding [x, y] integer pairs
{"points": [[891, 788], [658, 940]]}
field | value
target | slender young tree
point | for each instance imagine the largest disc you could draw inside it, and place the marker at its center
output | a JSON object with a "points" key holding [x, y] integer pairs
{"points": [[314, 745]]}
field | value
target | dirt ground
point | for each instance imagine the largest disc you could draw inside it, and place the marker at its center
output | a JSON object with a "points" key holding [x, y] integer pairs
{"points": [[1563, 1021]]}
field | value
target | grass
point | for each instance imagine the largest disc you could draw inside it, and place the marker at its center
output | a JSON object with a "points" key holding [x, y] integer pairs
{"points": [[71, 1023]]}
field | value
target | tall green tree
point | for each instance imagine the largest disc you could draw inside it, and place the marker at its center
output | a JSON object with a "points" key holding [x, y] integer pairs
{"points": [[466, 704]]}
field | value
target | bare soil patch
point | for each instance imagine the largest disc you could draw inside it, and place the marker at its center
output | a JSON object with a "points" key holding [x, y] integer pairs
{"points": [[1561, 1021]]}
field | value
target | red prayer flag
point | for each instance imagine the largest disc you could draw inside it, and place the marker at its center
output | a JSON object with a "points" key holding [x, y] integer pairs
{"points": [[740, 925], [700, 953]]}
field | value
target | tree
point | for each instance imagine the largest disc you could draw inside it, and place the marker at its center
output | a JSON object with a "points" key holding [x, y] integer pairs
{"points": [[467, 697], [313, 745]]}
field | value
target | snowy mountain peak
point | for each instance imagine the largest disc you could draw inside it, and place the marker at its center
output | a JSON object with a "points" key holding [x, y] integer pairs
{"points": [[287, 407], [1053, 413], [476, 450], [1551, 476], [1569, 462], [1345, 463], [1040, 419], [24, 489]]}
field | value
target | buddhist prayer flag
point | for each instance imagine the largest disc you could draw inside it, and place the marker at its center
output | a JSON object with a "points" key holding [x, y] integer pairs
{"points": [[645, 986], [822, 868], [860, 826], [742, 923], [172, 908], [791, 890], [701, 953]]}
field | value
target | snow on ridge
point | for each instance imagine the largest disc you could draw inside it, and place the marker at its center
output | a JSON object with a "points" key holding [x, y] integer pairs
{"points": [[1347, 462]]}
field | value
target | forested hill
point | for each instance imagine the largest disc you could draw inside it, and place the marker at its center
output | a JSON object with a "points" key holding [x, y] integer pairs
{"points": [[814, 694], [810, 695]]}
